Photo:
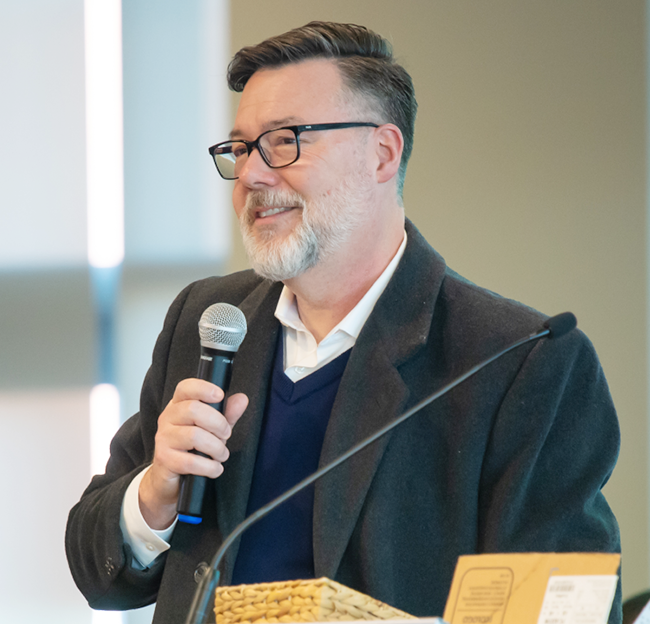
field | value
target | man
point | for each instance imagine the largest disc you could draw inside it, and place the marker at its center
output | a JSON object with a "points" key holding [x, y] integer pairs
{"points": [[352, 319]]}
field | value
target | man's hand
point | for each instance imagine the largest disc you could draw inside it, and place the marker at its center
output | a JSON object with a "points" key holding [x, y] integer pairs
{"points": [[187, 423]]}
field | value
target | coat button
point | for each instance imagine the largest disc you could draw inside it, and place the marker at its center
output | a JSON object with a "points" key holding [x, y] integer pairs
{"points": [[201, 571], [109, 566]]}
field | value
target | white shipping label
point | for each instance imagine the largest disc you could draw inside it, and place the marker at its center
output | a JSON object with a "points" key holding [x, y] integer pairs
{"points": [[578, 599]]}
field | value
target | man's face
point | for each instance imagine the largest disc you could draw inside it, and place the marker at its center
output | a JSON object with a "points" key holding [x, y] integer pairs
{"points": [[291, 218]]}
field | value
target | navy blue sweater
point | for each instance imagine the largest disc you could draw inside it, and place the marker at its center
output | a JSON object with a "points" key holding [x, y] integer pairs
{"points": [[279, 547]]}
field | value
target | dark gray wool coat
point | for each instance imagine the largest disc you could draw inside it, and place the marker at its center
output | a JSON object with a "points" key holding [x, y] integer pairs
{"points": [[511, 460]]}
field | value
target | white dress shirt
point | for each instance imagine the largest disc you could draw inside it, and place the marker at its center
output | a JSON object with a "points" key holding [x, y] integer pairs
{"points": [[302, 356]]}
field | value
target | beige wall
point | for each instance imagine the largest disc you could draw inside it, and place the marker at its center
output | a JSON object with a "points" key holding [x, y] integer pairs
{"points": [[528, 172]]}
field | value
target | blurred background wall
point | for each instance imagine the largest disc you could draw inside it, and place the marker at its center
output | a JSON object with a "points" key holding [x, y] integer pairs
{"points": [[528, 175]]}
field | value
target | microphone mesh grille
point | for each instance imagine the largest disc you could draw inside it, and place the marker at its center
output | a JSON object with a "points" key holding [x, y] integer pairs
{"points": [[222, 326]]}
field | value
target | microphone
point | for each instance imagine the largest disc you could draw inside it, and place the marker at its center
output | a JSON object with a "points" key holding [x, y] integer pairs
{"points": [[555, 327], [222, 329], [560, 324]]}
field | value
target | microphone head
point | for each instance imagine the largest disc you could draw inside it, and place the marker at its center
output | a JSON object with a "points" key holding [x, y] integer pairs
{"points": [[560, 324], [222, 327]]}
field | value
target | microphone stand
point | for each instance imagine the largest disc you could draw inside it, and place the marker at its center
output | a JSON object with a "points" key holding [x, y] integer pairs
{"points": [[554, 327]]}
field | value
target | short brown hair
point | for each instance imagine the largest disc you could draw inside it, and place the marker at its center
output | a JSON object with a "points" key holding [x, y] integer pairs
{"points": [[364, 58]]}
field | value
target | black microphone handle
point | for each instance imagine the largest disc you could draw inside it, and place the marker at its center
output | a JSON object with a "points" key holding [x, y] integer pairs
{"points": [[215, 366], [554, 327]]}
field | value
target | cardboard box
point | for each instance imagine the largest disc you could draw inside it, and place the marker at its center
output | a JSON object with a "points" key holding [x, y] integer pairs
{"points": [[512, 588]]}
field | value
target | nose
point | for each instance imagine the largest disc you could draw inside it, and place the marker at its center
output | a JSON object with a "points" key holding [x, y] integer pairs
{"points": [[255, 173]]}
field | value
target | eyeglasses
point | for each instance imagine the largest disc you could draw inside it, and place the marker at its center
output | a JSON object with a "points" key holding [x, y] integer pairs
{"points": [[279, 147]]}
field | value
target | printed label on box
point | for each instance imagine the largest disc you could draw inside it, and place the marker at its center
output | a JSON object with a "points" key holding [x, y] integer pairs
{"points": [[578, 599]]}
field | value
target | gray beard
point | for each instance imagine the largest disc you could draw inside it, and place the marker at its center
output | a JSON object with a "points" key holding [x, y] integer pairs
{"points": [[324, 227], [282, 260]]}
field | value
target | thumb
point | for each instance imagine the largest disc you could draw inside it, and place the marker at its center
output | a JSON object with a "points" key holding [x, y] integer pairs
{"points": [[235, 407]]}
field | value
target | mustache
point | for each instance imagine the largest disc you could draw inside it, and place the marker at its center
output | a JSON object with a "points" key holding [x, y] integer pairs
{"points": [[269, 199], [274, 199]]}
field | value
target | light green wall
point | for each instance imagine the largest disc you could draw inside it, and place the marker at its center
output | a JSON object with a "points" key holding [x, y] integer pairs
{"points": [[528, 172]]}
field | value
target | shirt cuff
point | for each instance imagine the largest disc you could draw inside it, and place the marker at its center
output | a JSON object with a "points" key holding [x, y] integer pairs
{"points": [[145, 542]]}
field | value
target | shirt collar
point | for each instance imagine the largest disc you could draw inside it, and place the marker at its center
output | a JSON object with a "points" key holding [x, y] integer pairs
{"points": [[286, 310]]}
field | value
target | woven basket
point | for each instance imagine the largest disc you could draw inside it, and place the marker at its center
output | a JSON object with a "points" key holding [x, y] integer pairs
{"points": [[315, 600]]}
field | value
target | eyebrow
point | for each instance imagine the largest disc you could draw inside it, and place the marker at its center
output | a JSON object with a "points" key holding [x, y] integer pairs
{"points": [[276, 123]]}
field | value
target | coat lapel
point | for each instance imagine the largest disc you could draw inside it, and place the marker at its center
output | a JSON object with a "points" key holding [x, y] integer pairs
{"points": [[372, 394], [251, 374]]}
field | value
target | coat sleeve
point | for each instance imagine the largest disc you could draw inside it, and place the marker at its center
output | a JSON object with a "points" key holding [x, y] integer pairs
{"points": [[99, 559], [553, 447]]}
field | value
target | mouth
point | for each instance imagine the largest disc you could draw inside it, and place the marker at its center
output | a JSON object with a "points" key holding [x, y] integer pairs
{"points": [[271, 208], [269, 212]]}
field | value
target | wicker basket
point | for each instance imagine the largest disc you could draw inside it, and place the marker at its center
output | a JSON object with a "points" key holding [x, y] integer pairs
{"points": [[315, 600]]}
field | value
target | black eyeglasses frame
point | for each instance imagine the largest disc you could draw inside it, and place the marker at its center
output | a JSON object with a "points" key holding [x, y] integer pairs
{"points": [[297, 130]]}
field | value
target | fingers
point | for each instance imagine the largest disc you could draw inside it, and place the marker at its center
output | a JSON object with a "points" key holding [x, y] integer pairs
{"points": [[199, 390], [187, 423], [190, 406]]}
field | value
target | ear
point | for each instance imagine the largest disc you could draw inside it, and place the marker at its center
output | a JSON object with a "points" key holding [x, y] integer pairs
{"points": [[389, 145]]}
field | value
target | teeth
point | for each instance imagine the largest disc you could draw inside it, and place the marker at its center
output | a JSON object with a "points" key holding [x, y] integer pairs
{"points": [[272, 211]]}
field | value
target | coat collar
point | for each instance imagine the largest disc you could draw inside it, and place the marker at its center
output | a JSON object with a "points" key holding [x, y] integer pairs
{"points": [[371, 394]]}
